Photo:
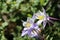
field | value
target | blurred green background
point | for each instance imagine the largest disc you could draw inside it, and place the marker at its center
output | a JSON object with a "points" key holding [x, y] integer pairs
{"points": [[13, 11]]}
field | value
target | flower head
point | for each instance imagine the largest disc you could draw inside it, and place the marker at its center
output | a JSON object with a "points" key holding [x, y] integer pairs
{"points": [[32, 32], [30, 28], [28, 23], [42, 16]]}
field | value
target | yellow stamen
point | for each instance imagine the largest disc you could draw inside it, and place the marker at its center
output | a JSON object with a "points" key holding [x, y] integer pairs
{"points": [[40, 17], [28, 24]]}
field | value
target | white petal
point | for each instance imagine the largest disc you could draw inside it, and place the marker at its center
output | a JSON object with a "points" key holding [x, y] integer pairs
{"points": [[24, 23], [40, 12], [39, 22], [43, 10], [25, 29], [48, 17], [44, 24]]}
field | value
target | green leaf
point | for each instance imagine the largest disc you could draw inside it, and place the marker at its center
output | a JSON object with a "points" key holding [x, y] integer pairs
{"points": [[4, 24], [42, 2]]}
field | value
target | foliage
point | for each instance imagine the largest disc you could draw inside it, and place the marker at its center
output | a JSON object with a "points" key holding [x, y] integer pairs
{"points": [[13, 11]]}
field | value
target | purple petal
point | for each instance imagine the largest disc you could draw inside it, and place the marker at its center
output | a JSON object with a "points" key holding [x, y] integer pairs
{"points": [[24, 32], [34, 17], [36, 26], [54, 18], [32, 34]]}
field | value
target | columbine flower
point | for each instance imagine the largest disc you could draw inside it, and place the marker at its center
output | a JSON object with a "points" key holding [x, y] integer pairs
{"points": [[42, 16], [28, 23], [30, 29]]}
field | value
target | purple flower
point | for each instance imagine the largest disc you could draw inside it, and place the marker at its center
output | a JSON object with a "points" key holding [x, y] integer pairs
{"points": [[32, 32], [42, 16], [30, 28]]}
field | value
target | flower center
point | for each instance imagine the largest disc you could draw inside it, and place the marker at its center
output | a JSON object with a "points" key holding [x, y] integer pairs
{"points": [[40, 17], [28, 24]]}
